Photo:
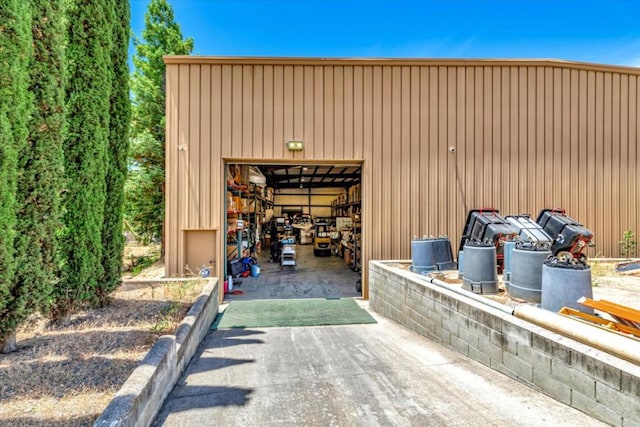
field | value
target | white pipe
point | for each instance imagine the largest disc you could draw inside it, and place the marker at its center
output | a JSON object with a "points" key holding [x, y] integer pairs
{"points": [[618, 345], [470, 295]]}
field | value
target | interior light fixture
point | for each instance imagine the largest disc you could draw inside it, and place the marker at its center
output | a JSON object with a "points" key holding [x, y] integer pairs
{"points": [[295, 145]]}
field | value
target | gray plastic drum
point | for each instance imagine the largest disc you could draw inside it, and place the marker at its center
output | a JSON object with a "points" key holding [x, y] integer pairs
{"points": [[563, 287], [526, 274], [431, 255], [508, 256], [480, 274]]}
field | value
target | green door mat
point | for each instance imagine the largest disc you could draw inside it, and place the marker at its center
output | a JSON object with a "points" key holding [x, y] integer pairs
{"points": [[291, 312]]}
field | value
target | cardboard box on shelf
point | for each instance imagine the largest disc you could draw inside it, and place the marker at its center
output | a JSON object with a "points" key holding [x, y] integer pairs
{"points": [[347, 255], [237, 204], [232, 251]]}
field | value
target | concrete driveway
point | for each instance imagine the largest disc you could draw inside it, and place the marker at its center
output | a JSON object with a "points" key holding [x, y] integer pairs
{"points": [[360, 375]]}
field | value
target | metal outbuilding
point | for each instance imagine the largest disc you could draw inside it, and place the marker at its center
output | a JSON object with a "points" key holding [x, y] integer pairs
{"points": [[434, 138]]}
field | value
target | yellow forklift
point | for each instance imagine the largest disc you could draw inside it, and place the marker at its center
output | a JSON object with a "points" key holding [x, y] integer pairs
{"points": [[321, 239]]}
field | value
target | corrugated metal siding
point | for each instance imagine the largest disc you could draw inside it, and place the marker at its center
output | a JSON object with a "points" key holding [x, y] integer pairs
{"points": [[527, 137]]}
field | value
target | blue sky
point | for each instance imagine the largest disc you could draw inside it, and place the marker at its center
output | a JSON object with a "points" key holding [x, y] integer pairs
{"points": [[605, 32]]}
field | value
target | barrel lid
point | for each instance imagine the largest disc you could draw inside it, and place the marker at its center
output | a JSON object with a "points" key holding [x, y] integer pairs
{"points": [[429, 238], [528, 245], [568, 262], [479, 243]]}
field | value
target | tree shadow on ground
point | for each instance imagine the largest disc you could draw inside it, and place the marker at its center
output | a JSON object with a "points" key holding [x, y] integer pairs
{"points": [[202, 397], [56, 366]]}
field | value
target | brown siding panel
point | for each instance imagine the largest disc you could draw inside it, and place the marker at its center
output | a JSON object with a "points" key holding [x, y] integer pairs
{"points": [[204, 178], [527, 136], [194, 148]]}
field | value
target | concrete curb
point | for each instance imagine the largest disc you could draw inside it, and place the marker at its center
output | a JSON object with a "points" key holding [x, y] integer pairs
{"points": [[142, 395]]}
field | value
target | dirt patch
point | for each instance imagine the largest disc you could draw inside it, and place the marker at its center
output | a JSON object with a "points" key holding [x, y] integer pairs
{"points": [[66, 375], [142, 261]]}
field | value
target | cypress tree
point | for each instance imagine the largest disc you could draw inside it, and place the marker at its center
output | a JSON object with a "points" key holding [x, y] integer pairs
{"points": [[40, 165], [120, 114], [87, 104], [145, 187], [15, 52]]}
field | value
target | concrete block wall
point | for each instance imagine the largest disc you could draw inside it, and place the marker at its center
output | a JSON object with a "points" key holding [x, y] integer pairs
{"points": [[140, 398], [596, 383]]}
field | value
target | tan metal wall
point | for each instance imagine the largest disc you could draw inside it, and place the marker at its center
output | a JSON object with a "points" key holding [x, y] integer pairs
{"points": [[527, 135]]}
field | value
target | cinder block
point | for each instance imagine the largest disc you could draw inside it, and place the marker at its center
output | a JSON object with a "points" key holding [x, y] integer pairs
{"points": [[552, 387], [469, 337], [443, 311], [629, 422], [420, 329], [465, 308], [412, 324], [548, 346], [477, 328], [579, 381], [487, 319], [516, 332], [493, 351], [406, 310], [443, 335], [598, 369], [411, 300], [417, 317], [497, 366], [519, 366], [454, 322], [434, 316], [429, 325], [621, 403], [590, 407], [448, 301], [451, 326], [498, 339], [427, 306], [459, 345], [539, 361], [479, 356], [431, 293], [630, 384]]}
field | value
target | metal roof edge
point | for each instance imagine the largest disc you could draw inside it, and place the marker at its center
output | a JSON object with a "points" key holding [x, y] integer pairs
{"points": [[447, 62]]}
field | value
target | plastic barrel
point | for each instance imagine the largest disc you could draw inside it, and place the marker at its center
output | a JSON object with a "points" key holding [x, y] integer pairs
{"points": [[563, 284], [526, 274], [508, 253], [431, 254], [480, 270], [255, 270]]}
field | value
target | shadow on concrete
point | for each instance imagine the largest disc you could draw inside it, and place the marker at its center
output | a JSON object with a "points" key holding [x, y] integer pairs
{"points": [[207, 364], [219, 338], [202, 397], [229, 342]]}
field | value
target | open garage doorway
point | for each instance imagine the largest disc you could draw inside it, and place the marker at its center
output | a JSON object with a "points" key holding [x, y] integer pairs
{"points": [[293, 230]]}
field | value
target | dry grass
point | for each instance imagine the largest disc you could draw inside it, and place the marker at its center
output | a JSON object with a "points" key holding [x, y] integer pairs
{"points": [[66, 375]]}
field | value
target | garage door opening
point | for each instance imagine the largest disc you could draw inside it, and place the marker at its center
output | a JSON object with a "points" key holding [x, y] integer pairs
{"points": [[293, 231]]}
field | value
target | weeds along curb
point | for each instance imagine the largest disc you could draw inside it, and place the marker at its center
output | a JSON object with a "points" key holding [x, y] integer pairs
{"points": [[140, 398]]}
